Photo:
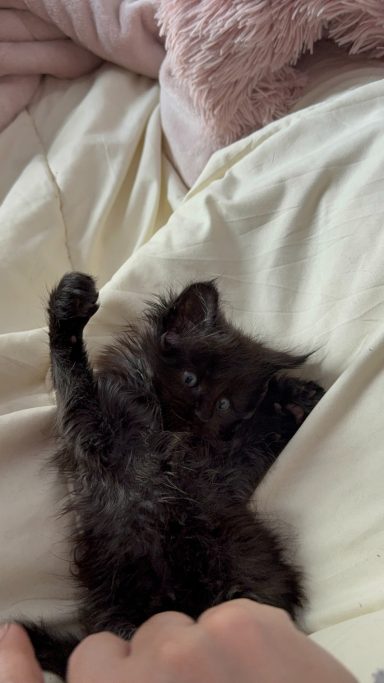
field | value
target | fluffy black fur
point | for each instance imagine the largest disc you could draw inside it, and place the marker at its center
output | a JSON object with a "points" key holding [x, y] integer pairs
{"points": [[163, 446]]}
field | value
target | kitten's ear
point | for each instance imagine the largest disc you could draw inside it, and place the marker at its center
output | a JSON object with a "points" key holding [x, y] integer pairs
{"points": [[197, 305]]}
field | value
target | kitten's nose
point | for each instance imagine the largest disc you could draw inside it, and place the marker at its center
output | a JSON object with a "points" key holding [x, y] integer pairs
{"points": [[203, 415]]}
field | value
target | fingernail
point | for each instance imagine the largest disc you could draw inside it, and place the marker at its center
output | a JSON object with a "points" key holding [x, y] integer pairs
{"points": [[3, 630]]}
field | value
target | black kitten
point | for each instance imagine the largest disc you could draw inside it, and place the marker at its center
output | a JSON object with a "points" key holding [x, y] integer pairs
{"points": [[163, 447]]}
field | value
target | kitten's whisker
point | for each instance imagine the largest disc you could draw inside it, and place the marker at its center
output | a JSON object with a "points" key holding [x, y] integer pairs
{"points": [[179, 417]]}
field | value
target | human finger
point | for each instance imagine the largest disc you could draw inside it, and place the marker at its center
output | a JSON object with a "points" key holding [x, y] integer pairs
{"points": [[268, 644], [96, 657], [159, 628], [17, 658]]}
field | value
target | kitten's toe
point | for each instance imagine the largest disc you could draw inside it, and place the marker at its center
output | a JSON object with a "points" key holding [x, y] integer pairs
{"points": [[74, 300], [307, 395], [296, 411], [300, 397]]}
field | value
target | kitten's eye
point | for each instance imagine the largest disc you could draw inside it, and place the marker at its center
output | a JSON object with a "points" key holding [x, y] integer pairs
{"points": [[223, 404], [189, 378]]}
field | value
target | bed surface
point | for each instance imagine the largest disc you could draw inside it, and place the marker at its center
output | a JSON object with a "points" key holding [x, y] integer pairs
{"points": [[290, 222]]}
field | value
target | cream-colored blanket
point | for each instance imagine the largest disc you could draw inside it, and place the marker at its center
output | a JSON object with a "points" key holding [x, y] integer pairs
{"points": [[290, 221]]}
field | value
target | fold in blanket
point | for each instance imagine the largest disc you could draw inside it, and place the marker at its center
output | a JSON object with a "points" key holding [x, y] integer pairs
{"points": [[69, 38]]}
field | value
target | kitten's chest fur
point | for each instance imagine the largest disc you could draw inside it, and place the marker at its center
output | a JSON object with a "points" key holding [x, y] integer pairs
{"points": [[164, 467]]}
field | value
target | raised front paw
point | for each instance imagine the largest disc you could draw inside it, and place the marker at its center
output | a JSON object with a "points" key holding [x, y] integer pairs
{"points": [[295, 397], [72, 303]]}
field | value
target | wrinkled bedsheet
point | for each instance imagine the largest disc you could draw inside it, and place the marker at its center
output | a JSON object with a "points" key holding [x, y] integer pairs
{"points": [[290, 221]]}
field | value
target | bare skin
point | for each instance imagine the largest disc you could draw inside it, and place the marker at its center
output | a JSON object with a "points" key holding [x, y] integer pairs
{"points": [[238, 641]]}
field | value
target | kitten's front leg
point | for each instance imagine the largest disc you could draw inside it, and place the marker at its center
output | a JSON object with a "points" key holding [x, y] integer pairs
{"points": [[284, 408], [288, 403], [295, 396], [81, 422]]}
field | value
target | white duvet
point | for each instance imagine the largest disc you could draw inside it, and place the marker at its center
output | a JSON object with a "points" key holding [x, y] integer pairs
{"points": [[290, 221]]}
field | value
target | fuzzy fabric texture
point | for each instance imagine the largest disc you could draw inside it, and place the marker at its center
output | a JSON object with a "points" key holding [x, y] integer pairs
{"points": [[236, 58]]}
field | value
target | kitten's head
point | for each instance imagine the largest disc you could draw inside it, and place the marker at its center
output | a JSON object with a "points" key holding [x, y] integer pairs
{"points": [[210, 376]]}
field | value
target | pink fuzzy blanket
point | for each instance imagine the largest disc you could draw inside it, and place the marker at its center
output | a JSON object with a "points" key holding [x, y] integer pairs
{"points": [[226, 67]]}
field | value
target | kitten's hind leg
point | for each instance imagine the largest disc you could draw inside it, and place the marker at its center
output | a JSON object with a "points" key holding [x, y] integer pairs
{"points": [[260, 569], [81, 421]]}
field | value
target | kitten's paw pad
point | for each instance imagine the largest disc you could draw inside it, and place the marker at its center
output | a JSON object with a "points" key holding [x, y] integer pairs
{"points": [[74, 300], [299, 398]]}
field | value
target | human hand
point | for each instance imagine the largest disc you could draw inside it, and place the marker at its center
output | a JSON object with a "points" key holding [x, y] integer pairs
{"points": [[238, 641]]}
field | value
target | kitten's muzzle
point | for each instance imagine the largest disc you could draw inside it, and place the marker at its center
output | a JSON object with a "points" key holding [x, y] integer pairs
{"points": [[202, 415]]}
